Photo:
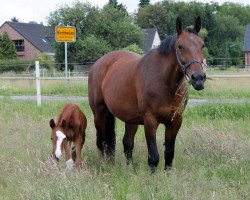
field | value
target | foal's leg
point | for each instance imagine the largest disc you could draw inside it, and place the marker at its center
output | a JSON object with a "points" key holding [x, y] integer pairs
{"points": [[150, 126], [128, 140], [78, 146], [69, 160], [172, 128]]}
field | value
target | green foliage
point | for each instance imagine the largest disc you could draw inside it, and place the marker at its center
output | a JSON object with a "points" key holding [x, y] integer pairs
{"points": [[144, 3], [15, 65], [134, 48], [91, 48], [224, 25], [46, 61], [7, 47], [109, 27], [223, 111]]}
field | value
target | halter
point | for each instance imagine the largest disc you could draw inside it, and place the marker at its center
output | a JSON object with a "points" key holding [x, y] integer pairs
{"points": [[185, 66]]}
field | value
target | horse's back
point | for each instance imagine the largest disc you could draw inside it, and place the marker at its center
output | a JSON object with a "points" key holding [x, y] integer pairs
{"points": [[73, 115], [112, 82], [103, 64]]}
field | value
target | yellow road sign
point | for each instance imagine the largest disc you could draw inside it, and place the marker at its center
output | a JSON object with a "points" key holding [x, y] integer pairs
{"points": [[65, 34]]}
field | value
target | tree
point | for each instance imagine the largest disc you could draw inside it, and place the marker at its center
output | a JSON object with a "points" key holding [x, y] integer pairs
{"points": [[134, 48], [7, 47], [114, 4], [109, 28], [143, 3], [14, 19], [224, 24]]}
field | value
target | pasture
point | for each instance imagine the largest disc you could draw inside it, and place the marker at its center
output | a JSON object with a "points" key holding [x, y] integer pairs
{"points": [[212, 159], [214, 87]]}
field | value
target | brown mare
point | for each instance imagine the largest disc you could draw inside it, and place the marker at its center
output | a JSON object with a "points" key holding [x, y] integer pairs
{"points": [[146, 90], [70, 127]]}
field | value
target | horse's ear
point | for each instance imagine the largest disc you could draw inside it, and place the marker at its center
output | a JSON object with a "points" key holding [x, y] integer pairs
{"points": [[64, 124], [52, 123], [179, 25], [197, 24]]}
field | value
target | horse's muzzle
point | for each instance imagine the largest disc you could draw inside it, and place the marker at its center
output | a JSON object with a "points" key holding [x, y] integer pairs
{"points": [[54, 157], [197, 80]]}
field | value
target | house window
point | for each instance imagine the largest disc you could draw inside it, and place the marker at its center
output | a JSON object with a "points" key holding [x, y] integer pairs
{"points": [[19, 44]]}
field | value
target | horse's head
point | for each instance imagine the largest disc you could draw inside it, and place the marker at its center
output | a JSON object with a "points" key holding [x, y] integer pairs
{"points": [[58, 139], [189, 53]]}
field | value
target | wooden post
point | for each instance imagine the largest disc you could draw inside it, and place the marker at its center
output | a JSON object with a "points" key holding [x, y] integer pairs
{"points": [[38, 84]]}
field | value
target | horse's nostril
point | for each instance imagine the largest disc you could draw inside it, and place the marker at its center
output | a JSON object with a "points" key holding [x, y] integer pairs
{"points": [[204, 77], [193, 77], [198, 76], [57, 159]]}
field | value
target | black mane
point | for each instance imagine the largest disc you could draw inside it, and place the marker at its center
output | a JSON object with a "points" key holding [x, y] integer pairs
{"points": [[167, 45]]}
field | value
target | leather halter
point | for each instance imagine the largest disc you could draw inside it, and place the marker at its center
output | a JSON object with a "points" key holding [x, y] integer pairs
{"points": [[186, 65]]}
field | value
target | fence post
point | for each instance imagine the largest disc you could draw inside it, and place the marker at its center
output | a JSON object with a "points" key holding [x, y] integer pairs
{"points": [[38, 85]]}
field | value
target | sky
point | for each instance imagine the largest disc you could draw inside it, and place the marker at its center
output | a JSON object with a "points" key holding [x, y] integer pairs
{"points": [[39, 10]]}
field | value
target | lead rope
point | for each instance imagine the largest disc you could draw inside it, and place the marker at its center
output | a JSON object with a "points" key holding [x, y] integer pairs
{"points": [[181, 105]]}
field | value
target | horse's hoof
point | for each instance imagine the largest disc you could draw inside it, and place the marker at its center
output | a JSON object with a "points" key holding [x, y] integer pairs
{"points": [[167, 168], [152, 169]]}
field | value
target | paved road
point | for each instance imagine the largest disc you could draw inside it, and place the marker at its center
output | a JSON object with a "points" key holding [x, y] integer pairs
{"points": [[191, 102]]}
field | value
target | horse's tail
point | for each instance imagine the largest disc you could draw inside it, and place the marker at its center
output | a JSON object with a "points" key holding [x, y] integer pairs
{"points": [[110, 134]]}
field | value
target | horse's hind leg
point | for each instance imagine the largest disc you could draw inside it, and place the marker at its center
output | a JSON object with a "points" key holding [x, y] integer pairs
{"points": [[128, 140], [171, 131], [110, 140], [100, 113]]}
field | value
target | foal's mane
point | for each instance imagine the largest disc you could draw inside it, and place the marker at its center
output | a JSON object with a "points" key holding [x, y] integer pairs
{"points": [[167, 45]]}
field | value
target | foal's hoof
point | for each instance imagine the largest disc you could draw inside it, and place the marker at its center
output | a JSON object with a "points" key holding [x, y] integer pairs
{"points": [[69, 164]]}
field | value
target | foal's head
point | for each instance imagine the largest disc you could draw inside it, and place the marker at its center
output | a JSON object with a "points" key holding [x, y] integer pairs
{"points": [[58, 138], [189, 52]]}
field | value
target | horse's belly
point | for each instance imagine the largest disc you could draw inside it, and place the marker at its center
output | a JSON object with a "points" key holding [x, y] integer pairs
{"points": [[124, 110]]}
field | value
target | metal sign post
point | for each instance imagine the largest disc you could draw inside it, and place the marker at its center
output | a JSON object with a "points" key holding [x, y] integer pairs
{"points": [[65, 34], [66, 58]]}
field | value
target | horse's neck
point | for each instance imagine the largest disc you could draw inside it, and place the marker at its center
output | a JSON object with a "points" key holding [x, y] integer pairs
{"points": [[169, 71]]}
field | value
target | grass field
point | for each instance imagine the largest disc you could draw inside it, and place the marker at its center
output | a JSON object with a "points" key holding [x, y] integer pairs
{"points": [[212, 159]]}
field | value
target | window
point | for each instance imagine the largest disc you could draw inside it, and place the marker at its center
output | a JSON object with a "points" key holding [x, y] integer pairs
{"points": [[19, 44]]}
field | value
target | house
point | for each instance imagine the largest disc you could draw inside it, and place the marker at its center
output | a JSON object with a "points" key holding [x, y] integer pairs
{"points": [[151, 39], [246, 47], [30, 38]]}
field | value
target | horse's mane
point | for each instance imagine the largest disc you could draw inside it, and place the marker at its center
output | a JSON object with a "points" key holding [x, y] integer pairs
{"points": [[167, 45]]}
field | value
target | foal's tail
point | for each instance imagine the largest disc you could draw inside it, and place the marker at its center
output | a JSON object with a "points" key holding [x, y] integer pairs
{"points": [[110, 134]]}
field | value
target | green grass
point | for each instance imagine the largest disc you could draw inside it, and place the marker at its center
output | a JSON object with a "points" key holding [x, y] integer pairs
{"points": [[212, 159]]}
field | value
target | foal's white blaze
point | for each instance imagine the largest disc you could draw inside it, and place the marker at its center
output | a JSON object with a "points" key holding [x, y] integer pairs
{"points": [[60, 137]]}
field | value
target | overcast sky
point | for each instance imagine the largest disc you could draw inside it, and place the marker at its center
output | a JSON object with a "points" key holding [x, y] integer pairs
{"points": [[38, 10]]}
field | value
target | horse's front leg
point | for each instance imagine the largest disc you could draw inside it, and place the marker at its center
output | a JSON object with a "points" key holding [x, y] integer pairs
{"points": [[128, 140], [172, 128], [150, 126]]}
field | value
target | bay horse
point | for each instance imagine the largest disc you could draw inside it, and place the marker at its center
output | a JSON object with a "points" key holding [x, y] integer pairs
{"points": [[146, 90], [70, 128]]}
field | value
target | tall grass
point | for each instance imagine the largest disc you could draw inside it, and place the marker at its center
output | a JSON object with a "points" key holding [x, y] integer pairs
{"points": [[212, 159]]}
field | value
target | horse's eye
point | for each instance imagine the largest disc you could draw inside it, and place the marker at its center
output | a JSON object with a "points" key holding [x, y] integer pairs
{"points": [[51, 138], [180, 46]]}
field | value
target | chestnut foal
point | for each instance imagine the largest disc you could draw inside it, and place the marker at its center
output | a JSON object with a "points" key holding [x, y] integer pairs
{"points": [[70, 128]]}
